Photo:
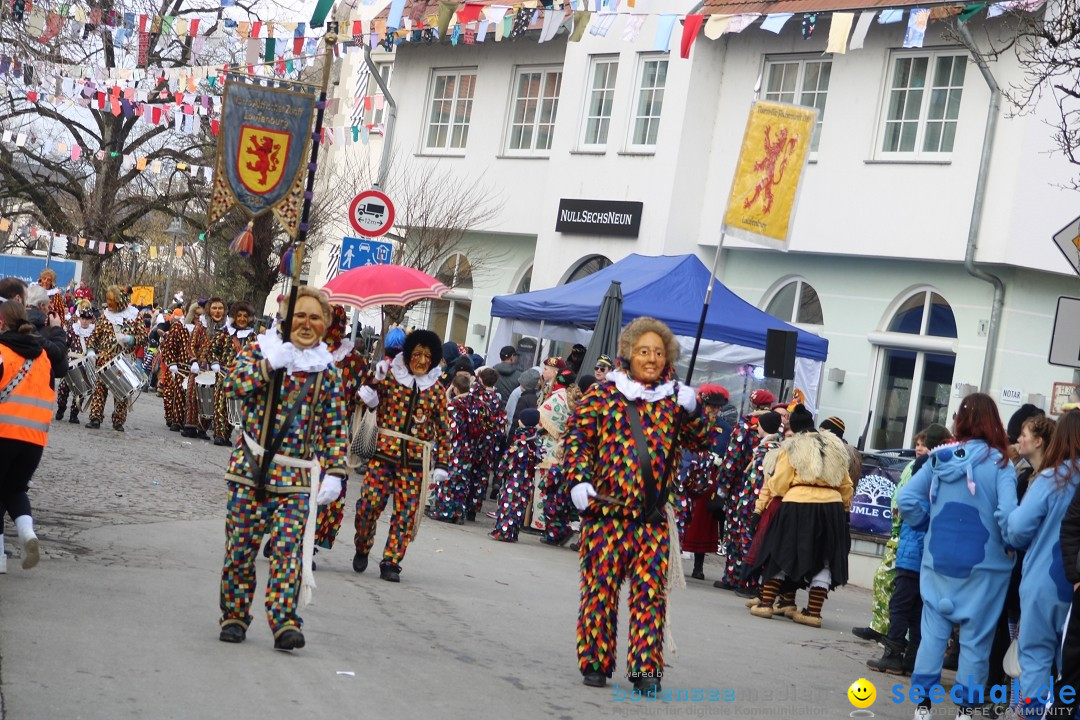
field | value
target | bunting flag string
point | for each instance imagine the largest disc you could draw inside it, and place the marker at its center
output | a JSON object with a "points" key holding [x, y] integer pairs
{"points": [[40, 234]]}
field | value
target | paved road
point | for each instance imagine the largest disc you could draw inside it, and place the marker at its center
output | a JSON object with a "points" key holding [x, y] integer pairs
{"points": [[119, 619]]}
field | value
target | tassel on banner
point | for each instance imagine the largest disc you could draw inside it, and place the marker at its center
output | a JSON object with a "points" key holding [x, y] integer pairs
{"points": [[288, 261], [244, 242]]}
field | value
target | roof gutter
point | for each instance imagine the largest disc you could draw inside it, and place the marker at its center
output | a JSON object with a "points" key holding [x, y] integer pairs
{"points": [[977, 209]]}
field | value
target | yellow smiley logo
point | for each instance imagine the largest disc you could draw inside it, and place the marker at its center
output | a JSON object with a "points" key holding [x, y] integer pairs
{"points": [[862, 693]]}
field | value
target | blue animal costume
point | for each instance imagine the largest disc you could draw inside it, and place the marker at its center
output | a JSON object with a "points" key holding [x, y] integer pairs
{"points": [[1045, 593], [962, 497]]}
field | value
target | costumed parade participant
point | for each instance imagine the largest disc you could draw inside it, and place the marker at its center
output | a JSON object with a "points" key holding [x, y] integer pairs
{"points": [[223, 351], [464, 412], [489, 447], [962, 498], [175, 354], [806, 544], [118, 331], [209, 323], [515, 477], [78, 339], [702, 532], [307, 430], [411, 412], [353, 367], [618, 452], [552, 492], [47, 280]]}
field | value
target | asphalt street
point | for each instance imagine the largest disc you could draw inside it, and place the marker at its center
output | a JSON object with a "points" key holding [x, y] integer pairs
{"points": [[119, 620]]}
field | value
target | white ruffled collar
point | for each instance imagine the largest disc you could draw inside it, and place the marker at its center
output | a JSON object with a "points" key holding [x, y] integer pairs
{"points": [[343, 349], [241, 334], [53, 291], [633, 390], [82, 332], [119, 318], [190, 327], [402, 375], [312, 359]]}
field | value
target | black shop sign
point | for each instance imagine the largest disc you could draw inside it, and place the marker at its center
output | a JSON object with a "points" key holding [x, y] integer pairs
{"points": [[599, 217]]}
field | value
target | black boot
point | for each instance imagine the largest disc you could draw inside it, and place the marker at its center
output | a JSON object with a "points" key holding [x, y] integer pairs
{"points": [[74, 417], [910, 652], [60, 413], [698, 573], [390, 572], [359, 562], [891, 661]]}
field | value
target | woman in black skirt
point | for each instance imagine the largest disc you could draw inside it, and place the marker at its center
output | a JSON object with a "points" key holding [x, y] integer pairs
{"points": [[807, 543]]}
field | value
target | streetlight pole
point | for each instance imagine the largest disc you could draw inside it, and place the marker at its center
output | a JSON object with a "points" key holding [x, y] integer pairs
{"points": [[175, 230]]}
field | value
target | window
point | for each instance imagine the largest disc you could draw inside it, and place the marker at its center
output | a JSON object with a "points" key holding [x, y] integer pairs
{"points": [[800, 82], [450, 315], [603, 72], [796, 302], [378, 108], [451, 109], [587, 266], [652, 78], [918, 122], [536, 101]]}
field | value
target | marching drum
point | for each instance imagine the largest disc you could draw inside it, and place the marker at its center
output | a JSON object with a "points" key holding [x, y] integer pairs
{"points": [[122, 378], [235, 408], [204, 392], [81, 376]]}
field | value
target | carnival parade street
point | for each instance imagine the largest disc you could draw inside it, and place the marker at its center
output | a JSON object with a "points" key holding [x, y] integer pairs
{"points": [[119, 618]]}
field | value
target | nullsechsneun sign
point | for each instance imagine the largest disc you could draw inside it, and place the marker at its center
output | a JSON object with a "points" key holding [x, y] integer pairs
{"points": [[599, 217]]}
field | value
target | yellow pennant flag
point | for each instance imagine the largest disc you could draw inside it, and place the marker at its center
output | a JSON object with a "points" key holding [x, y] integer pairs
{"points": [[774, 152], [153, 252], [179, 251]]}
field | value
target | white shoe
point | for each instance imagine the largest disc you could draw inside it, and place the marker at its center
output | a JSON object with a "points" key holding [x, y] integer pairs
{"points": [[3, 564], [923, 713], [31, 551]]}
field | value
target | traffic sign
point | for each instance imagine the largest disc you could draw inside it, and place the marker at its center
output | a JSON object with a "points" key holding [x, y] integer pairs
{"points": [[1065, 342], [1068, 239], [371, 213], [357, 252]]}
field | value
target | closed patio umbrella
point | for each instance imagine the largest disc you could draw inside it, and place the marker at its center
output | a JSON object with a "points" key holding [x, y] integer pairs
{"points": [[605, 339]]}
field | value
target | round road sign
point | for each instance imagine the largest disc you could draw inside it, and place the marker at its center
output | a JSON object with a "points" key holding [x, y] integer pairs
{"points": [[371, 213]]}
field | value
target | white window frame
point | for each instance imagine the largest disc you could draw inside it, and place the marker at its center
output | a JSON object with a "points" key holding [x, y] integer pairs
{"points": [[545, 71], [928, 89], [800, 283], [590, 91], [386, 71], [448, 147], [799, 92], [639, 77]]}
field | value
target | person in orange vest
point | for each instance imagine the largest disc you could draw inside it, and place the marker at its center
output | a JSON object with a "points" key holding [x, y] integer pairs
{"points": [[26, 407]]}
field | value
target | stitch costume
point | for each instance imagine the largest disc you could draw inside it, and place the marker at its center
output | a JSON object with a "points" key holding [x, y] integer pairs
{"points": [[1045, 592], [310, 422], [623, 536], [78, 342], [224, 348], [962, 497], [515, 477], [413, 405], [119, 331]]}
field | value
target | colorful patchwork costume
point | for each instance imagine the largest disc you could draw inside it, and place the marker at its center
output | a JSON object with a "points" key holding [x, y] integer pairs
{"points": [[175, 353], [515, 478], [618, 540], [203, 335], [310, 422], [116, 333], [223, 352], [486, 458], [465, 414], [741, 501]]}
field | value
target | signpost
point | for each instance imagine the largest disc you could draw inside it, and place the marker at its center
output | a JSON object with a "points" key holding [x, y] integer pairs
{"points": [[371, 214], [357, 252], [1068, 241], [1065, 340]]}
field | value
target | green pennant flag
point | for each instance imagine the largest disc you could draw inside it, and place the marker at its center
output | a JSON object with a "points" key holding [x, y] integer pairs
{"points": [[321, 11], [446, 11], [971, 11], [268, 56], [581, 21]]}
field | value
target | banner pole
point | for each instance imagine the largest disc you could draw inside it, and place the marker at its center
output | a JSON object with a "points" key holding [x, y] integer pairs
{"points": [[705, 309], [329, 40]]}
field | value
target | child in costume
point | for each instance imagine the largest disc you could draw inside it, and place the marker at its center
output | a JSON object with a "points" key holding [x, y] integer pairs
{"points": [[515, 477]]}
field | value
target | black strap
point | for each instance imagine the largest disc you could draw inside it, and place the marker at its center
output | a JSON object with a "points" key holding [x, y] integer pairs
{"points": [[652, 487], [275, 442]]}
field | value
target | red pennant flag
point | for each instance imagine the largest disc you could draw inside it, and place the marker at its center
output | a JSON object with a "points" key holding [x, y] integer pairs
{"points": [[155, 116], [142, 23], [469, 13], [357, 28], [101, 101], [31, 96], [193, 27], [298, 45], [214, 127], [690, 29], [255, 28]]}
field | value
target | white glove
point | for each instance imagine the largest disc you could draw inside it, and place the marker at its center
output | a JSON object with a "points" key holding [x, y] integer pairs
{"points": [[369, 397], [92, 355], [125, 339], [581, 495], [174, 370], [279, 356], [687, 398], [381, 368], [194, 368], [329, 490], [439, 476], [216, 367]]}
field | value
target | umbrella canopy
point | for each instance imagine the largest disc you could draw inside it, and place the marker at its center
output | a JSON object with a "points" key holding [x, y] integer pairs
{"points": [[605, 339], [383, 285]]}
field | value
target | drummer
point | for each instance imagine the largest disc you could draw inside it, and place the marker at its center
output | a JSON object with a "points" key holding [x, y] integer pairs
{"points": [[175, 354], [119, 332], [78, 342], [207, 326], [224, 348]]}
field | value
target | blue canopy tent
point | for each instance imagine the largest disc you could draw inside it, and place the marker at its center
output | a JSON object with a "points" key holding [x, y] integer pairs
{"points": [[670, 288]]}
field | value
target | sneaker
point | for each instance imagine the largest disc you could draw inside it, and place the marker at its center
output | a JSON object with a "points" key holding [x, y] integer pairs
{"points": [[31, 550], [232, 633], [289, 640]]}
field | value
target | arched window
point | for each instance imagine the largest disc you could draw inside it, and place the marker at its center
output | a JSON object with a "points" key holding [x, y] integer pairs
{"points": [[796, 302], [450, 315], [587, 266], [915, 361], [525, 284]]}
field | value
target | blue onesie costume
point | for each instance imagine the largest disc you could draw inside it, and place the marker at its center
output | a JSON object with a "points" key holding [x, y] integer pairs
{"points": [[962, 497], [1045, 593]]}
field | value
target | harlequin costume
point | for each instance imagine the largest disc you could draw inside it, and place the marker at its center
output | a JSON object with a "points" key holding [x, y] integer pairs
{"points": [[175, 353], [353, 368], [78, 343], [621, 538], [203, 335], [486, 457], [467, 426], [224, 349], [515, 477], [414, 407], [309, 423], [114, 328]]}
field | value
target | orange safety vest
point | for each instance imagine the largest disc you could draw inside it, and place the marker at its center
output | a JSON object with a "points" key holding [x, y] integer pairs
{"points": [[26, 413]]}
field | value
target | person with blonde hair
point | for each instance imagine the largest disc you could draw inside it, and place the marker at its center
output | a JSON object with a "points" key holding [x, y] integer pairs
{"points": [[618, 463]]}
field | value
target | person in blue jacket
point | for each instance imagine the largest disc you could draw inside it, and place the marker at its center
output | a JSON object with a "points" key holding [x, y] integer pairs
{"points": [[1045, 592], [962, 498]]}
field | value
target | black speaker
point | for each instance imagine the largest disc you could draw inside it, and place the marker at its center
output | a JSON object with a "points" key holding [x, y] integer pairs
{"points": [[780, 354]]}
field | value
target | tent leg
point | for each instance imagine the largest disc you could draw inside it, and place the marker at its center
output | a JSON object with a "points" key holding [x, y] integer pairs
{"points": [[539, 345]]}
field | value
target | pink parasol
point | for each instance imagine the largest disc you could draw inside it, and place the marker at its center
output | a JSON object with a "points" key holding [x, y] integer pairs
{"points": [[383, 285]]}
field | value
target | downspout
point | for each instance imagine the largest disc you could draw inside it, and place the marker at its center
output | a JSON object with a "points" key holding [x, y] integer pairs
{"points": [[391, 119], [977, 209]]}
